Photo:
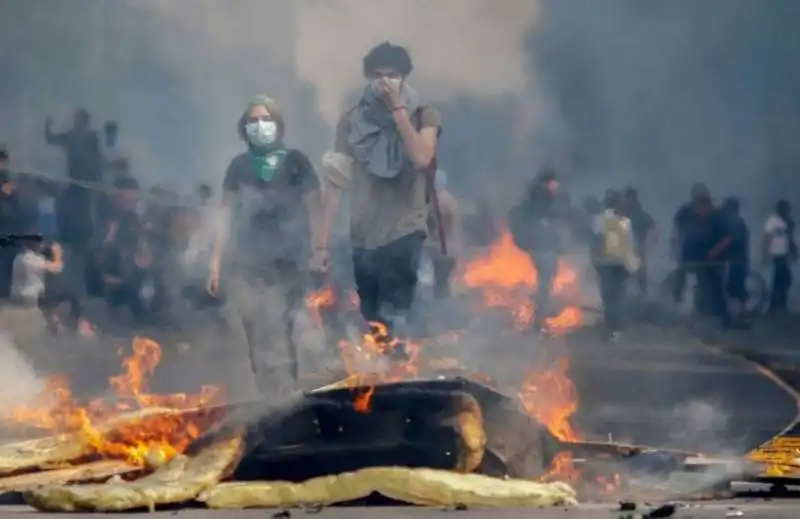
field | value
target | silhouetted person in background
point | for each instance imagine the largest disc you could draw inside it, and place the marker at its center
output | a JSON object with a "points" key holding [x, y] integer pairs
{"points": [[537, 225], [5, 163], [616, 261], [46, 217], [60, 288], [125, 256], [81, 145], [691, 243], [116, 158], [10, 221], [643, 226], [736, 252], [204, 194], [780, 251], [75, 228], [591, 207]]}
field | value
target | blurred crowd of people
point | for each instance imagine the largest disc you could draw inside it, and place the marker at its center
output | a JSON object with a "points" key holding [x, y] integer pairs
{"points": [[143, 252], [709, 241], [99, 233]]}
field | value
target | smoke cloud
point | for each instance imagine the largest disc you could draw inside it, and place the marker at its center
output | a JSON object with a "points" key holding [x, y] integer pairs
{"points": [[654, 94], [19, 384], [308, 53], [177, 78]]}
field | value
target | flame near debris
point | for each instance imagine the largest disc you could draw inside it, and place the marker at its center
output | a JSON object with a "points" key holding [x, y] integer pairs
{"points": [[551, 398], [56, 409], [506, 279], [504, 276]]}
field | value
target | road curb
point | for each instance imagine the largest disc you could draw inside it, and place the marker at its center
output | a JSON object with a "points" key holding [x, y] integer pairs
{"points": [[781, 453]]}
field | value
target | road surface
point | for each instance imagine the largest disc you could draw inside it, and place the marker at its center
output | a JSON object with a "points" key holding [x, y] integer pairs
{"points": [[656, 387], [717, 510]]}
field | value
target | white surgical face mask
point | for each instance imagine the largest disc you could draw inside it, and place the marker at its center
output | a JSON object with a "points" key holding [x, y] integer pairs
{"points": [[394, 81], [261, 133]]}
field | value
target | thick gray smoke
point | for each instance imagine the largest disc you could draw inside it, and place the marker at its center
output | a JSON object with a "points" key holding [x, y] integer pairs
{"points": [[19, 384], [662, 94], [651, 93], [177, 78]]}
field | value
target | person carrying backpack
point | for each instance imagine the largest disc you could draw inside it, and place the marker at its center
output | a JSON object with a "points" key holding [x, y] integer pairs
{"points": [[616, 262]]}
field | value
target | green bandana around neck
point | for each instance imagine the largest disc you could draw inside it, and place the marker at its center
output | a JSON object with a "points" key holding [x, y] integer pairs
{"points": [[266, 165]]}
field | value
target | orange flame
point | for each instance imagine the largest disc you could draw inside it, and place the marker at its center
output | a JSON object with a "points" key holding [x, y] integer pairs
{"points": [[319, 300], [371, 362], [325, 299], [164, 436], [562, 468], [507, 277], [551, 398]]}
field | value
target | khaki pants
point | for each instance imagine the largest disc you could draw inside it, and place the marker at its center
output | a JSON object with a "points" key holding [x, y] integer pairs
{"points": [[266, 313]]}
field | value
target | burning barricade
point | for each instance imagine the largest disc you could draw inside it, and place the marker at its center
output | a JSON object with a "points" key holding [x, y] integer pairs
{"points": [[405, 424], [416, 441]]}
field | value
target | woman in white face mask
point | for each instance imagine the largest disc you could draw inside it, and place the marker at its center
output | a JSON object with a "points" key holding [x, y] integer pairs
{"points": [[271, 210]]}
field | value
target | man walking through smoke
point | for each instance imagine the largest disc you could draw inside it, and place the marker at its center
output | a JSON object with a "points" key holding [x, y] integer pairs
{"points": [[536, 225], [385, 146], [274, 194]]}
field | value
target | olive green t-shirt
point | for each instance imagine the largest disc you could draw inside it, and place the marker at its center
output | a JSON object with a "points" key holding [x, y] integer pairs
{"points": [[385, 209]]}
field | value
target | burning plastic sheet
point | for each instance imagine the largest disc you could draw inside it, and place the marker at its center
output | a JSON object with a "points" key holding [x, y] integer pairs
{"points": [[425, 487], [179, 481], [57, 451], [76, 424]]}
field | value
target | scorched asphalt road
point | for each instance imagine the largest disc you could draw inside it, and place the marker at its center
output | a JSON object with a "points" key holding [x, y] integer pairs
{"points": [[655, 387], [717, 510]]}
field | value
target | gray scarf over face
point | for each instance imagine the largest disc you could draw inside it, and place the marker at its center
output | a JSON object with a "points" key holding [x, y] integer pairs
{"points": [[373, 136]]}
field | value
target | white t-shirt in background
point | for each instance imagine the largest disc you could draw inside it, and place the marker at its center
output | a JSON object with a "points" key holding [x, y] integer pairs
{"points": [[778, 230], [28, 276]]}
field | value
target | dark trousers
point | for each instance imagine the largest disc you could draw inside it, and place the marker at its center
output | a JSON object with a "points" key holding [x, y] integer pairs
{"points": [[710, 293], [679, 288], [642, 280], [386, 278], [126, 293], [612, 291], [7, 256], [546, 265], [781, 283], [76, 268], [737, 281], [711, 279], [55, 296], [68, 286]]}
